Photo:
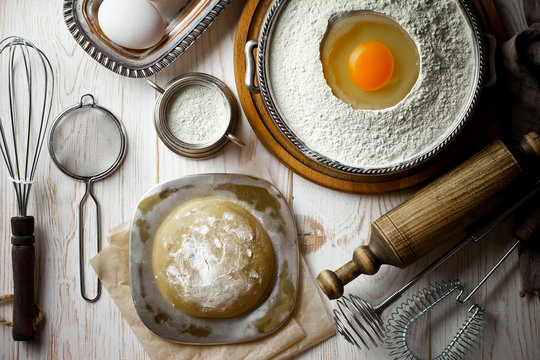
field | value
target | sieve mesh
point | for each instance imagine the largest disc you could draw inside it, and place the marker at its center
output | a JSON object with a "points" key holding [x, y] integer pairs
{"points": [[86, 142]]}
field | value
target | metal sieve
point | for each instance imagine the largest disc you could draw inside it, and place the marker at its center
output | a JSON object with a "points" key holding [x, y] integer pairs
{"points": [[195, 150], [87, 143]]}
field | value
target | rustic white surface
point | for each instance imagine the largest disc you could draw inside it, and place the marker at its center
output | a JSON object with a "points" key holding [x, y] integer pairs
{"points": [[334, 223]]}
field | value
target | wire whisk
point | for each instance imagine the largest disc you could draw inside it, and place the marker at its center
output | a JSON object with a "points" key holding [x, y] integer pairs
{"points": [[18, 136], [30, 84], [401, 321], [357, 319], [360, 323]]}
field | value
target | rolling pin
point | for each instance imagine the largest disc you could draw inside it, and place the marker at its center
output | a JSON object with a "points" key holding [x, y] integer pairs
{"points": [[440, 210]]}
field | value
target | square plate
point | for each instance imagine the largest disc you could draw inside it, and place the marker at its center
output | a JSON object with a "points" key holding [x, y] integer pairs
{"points": [[263, 201], [186, 20]]}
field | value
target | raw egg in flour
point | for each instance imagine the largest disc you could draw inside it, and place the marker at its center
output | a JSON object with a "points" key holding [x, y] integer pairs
{"points": [[369, 60]]}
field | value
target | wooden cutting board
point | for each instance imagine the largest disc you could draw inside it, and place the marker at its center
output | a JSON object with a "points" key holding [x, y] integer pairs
{"points": [[473, 137]]}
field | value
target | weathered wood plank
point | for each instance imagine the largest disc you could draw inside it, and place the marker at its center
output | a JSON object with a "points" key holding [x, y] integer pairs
{"points": [[331, 224]]}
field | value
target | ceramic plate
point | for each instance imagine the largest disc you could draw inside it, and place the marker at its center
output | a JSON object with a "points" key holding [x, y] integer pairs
{"points": [[262, 200]]}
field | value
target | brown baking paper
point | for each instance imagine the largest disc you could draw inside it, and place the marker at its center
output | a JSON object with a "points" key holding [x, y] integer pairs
{"points": [[309, 324]]}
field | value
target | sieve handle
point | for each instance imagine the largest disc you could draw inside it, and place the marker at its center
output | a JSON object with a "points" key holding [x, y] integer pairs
{"points": [[23, 258], [81, 240]]}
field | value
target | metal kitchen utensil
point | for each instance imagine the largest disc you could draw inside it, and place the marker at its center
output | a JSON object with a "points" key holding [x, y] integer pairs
{"points": [[186, 21], [30, 85], [403, 318], [87, 143], [358, 321], [203, 150]]}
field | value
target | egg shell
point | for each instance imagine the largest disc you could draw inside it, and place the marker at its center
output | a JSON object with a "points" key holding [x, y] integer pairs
{"points": [[134, 24]]}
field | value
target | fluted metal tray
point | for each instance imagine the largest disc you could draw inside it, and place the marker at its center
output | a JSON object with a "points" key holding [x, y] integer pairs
{"points": [[186, 20]]}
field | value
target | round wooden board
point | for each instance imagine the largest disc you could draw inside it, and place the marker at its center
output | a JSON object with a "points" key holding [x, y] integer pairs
{"points": [[248, 29]]}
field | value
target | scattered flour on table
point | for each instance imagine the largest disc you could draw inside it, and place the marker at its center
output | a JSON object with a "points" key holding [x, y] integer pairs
{"points": [[197, 114], [372, 138]]}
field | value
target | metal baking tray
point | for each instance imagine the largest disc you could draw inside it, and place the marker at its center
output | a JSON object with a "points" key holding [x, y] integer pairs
{"points": [[259, 66], [263, 201], [186, 20]]}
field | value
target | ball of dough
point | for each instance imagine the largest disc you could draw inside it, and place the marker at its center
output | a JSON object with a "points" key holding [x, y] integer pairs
{"points": [[212, 259]]}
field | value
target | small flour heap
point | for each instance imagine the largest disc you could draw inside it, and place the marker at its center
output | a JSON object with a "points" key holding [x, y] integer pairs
{"points": [[197, 114], [372, 138]]}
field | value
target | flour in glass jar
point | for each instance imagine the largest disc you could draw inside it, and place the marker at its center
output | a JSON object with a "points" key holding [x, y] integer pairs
{"points": [[372, 138], [197, 114]]}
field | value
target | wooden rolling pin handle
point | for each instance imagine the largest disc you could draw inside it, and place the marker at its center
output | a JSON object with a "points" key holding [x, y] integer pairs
{"points": [[528, 153], [530, 230], [23, 258], [364, 262]]}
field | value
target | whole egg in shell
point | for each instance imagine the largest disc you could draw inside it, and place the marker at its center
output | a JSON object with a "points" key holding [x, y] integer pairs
{"points": [[134, 24]]}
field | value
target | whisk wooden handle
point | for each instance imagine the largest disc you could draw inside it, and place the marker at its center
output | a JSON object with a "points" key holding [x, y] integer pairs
{"points": [[23, 257]]}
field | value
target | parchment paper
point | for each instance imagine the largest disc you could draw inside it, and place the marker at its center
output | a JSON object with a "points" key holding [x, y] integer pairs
{"points": [[309, 324]]}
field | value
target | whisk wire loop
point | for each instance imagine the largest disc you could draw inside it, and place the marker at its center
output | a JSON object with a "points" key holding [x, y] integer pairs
{"points": [[356, 320], [344, 330], [21, 168], [374, 320]]}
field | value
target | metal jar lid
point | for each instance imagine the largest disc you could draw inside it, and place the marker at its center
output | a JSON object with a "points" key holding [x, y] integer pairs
{"points": [[195, 150]]}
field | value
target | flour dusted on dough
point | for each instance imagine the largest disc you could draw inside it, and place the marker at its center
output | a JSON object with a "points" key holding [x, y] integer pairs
{"points": [[212, 258], [372, 138]]}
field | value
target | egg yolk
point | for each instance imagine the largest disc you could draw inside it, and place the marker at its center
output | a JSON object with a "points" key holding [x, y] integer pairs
{"points": [[371, 65], [369, 61]]}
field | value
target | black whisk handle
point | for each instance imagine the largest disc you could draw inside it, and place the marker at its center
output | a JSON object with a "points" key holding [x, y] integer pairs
{"points": [[530, 229], [23, 257]]}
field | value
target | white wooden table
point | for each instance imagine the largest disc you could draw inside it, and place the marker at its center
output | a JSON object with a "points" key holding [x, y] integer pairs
{"points": [[333, 223]]}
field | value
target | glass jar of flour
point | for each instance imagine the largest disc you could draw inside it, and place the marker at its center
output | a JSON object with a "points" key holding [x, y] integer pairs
{"points": [[196, 115]]}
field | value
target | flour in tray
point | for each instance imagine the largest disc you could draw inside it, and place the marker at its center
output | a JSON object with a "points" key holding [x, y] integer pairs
{"points": [[372, 138]]}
